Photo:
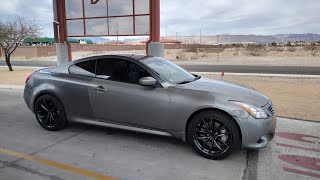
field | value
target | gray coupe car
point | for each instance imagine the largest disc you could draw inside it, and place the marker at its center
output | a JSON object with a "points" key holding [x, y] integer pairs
{"points": [[153, 95]]}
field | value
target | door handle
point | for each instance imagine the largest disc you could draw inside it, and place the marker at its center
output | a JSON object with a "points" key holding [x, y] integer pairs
{"points": [[100, 89]]}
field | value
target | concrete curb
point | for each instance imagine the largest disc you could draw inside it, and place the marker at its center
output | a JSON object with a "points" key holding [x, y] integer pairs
{"points": [[23, 67], [260, 75], [15, 87]]}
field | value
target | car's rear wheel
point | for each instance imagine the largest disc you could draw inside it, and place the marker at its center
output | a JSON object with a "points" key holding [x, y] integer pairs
{"points": [[213, 134], [50, 113]]}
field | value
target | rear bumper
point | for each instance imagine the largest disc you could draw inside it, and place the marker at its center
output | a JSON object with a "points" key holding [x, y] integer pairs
{"points": [[27, 94], [257, 133]]}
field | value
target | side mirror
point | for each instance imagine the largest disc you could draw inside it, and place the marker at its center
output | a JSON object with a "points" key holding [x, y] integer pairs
{"points": [[147, 81]]}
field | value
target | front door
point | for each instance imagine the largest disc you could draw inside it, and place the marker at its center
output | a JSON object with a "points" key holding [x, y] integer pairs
{"points": [[118, 97]]}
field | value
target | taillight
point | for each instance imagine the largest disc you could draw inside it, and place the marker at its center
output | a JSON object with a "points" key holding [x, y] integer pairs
{"points": [[28, 79]]}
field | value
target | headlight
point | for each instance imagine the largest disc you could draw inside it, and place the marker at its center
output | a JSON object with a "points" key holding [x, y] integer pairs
{"points": [[254, 111]]}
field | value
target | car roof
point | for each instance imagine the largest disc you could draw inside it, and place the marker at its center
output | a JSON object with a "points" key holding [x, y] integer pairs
{"points": [[137, 57]]}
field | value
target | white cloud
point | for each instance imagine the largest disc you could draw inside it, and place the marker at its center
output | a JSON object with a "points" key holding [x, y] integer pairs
{"points": [[213, 16], [241, 16]]}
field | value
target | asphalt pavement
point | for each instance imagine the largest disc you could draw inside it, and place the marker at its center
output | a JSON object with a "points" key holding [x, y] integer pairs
{"points": [[207, 68], [29, 152]]}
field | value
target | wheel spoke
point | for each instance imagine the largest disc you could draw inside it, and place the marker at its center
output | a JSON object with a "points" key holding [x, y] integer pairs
{"points": [[54, 114], [196, 130], [40, 116], [50, 120], [223, 143], [204, 145], [221, 127], [204, 137], [212, 124], [211, 147], [223, 134], [54, 108], [215, 142], [47, 118], [205, 126], [43, 106]]}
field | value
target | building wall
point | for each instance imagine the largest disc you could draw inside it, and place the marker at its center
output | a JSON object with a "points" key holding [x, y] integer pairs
{"points": [[28, 52]]}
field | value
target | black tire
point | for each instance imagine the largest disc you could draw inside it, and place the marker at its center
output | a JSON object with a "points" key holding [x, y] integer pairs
{"points": [[50, 113], [213, 134]]}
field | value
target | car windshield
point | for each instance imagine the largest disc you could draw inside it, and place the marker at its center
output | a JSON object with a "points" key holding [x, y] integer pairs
{"points": [[169, 71]]}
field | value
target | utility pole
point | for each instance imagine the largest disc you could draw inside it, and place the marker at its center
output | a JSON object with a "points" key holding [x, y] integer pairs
{"points": [[194, 39], [117, 33], [176, 36], [166, 32], [200, 35], [217, 40]]}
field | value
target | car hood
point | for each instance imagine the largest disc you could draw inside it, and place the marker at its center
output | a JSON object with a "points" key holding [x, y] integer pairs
{"points": [[231, 91]]}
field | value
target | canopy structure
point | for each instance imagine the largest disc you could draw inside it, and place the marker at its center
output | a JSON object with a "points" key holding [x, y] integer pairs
{"points": [[88, 18]]}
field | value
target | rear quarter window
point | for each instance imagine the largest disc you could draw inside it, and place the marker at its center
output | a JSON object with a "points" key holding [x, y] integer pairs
{"points": [[86, 68]]}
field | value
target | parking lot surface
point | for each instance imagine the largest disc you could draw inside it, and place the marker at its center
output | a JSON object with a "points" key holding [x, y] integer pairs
{"points": [[89, 152]]}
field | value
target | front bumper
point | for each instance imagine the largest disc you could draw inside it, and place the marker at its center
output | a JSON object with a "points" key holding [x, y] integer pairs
{"points": [[256, 133]]}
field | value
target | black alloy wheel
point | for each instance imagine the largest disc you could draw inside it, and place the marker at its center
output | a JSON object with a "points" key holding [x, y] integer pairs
{"points": [[213, 134], [50, 113]]}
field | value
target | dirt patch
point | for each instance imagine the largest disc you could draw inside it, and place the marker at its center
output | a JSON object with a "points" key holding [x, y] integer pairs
{"points": [[293, 97], [16, 77]]}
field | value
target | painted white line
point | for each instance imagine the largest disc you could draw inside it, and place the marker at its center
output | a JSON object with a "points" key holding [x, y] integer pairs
{"points": [[23, 67], [18, 87], [260, 74]]}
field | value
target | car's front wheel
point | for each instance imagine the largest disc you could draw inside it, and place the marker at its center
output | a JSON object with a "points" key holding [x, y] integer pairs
{"points": [[50, 113], [213, 134]]}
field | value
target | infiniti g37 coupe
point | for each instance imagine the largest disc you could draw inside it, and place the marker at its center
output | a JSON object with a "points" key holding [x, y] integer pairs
{"points": [[152, 95]]}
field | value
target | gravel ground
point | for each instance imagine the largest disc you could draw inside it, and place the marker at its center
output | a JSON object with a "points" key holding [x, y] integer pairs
{"points": [[293, 97]]}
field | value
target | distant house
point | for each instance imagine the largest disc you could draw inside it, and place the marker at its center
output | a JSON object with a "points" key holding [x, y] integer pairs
{"points": [[79, 41], [38, 41], [51, 41], [165, 41]]}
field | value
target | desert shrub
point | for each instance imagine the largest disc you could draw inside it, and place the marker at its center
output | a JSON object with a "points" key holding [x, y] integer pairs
{"points": [[292, 49], [254, 50], [273, 44], [276, 48], [214, 50], [194, 48], [310, 47], [199, 49]]}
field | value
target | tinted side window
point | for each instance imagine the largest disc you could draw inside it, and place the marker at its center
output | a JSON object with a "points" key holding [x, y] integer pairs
{"points": [[84, 68], [120, 70]]}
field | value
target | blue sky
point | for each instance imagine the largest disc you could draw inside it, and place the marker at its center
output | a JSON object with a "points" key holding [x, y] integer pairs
{"points": [[212, 16]]}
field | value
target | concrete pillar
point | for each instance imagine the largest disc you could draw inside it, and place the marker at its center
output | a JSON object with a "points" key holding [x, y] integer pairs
{"points": [[156, 49], [62, 53]]}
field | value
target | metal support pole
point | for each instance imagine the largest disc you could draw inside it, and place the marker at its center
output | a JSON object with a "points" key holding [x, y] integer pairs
{"points": [[63, 46], [155, 16], [155, 48]]}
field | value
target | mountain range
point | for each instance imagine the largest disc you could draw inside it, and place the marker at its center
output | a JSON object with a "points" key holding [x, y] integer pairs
{"points": [[226, 38]]}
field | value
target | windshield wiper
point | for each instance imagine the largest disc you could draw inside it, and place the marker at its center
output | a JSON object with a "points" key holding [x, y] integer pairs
{"points": [[197, 77], [188, 81], [185, 82]]}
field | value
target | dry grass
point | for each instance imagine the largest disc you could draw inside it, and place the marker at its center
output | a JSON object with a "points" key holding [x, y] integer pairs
{"points": [[16, 77]]}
